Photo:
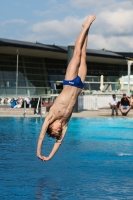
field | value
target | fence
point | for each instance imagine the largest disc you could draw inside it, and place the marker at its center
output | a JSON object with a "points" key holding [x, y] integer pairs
{"points": [[85, 102], [93, 102]]}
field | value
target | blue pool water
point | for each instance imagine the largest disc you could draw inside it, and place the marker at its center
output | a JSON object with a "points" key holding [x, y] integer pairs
{"points": [[95, 160]]}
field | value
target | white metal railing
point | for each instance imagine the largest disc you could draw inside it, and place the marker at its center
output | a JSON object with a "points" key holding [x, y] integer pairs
{"points": [[85, 102], [94, 102]]}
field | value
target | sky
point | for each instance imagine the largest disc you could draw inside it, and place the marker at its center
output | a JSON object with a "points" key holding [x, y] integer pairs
{"points": [[60, 21]]}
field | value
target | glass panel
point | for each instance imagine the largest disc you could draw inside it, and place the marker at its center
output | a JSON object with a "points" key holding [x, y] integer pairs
{"points": [[21, 83], [29, 77], [12, 83], [94, 86], [21, 76], [14, 75], [1, 77], [22, 91], [29, 59], [39, 91], [2, 91], [10, 91], [86, 86], [61, 78], [114, 87], [34, 70], [21, 69], [112, 78], [53, 78], [7, 83], [31, 91], [93, 79], [37, 83], [5, 62], [2, 84], [37, 77], [7, 75], [28, 70], [29, 83]]}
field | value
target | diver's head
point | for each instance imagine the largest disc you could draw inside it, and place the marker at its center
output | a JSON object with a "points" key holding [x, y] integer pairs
{"points": [[55, 129]]}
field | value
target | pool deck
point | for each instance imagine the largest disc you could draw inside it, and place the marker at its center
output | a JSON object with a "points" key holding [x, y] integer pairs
{"points": [[10, 112]]}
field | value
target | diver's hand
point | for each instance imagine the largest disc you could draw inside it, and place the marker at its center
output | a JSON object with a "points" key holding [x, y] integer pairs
{"points": [[43, 158]]}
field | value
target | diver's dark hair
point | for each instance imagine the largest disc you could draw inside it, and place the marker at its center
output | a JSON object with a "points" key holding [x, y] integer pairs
{"points": [[49, 133]]}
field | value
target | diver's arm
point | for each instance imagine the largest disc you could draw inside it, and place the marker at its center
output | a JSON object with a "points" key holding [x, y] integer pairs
{"points": [[42, 134], [56, 146]]}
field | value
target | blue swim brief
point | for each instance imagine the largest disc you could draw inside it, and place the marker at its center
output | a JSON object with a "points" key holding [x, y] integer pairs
{"points": [[75, 82]]}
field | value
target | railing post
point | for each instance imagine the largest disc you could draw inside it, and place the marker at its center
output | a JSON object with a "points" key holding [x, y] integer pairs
{"points": [[96, 106], [129, 73], [24, 108], [17, 73], [41, 106]]}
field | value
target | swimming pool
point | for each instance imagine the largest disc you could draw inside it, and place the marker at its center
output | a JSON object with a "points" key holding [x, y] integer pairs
{"points": [[95, 160]]}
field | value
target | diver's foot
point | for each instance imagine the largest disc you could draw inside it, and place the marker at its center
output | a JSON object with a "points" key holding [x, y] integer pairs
{"points": [[89, 21]]}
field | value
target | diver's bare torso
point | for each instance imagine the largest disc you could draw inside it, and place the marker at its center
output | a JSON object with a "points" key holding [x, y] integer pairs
{"points": [[64, 104]]}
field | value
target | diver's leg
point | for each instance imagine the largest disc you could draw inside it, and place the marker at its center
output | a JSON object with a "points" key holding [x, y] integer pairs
{"points": [[73, 67], [82, 71]]}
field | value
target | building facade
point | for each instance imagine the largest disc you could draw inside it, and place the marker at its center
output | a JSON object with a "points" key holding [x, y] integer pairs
{"points": [[34, 69]]}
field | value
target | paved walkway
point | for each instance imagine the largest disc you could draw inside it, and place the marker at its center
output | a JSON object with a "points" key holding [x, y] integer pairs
{"points": [[90, 113], [79, 114]]}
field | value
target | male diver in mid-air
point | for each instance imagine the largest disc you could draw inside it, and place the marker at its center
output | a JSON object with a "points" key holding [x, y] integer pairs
{"points": [[57, 119]]}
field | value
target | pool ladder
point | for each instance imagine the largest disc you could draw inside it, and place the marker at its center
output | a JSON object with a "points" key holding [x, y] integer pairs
{"points": [[40, 107]]}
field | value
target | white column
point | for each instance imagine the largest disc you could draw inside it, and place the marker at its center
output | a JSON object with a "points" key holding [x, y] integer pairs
{"points": [[129, 72], [17, 73], [101, 83]]}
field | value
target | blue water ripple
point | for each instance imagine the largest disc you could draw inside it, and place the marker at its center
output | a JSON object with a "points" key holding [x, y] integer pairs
{"points": [[95, 160]]}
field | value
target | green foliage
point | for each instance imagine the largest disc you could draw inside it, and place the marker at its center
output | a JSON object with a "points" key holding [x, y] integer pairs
{"points": [[118, 84]]}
